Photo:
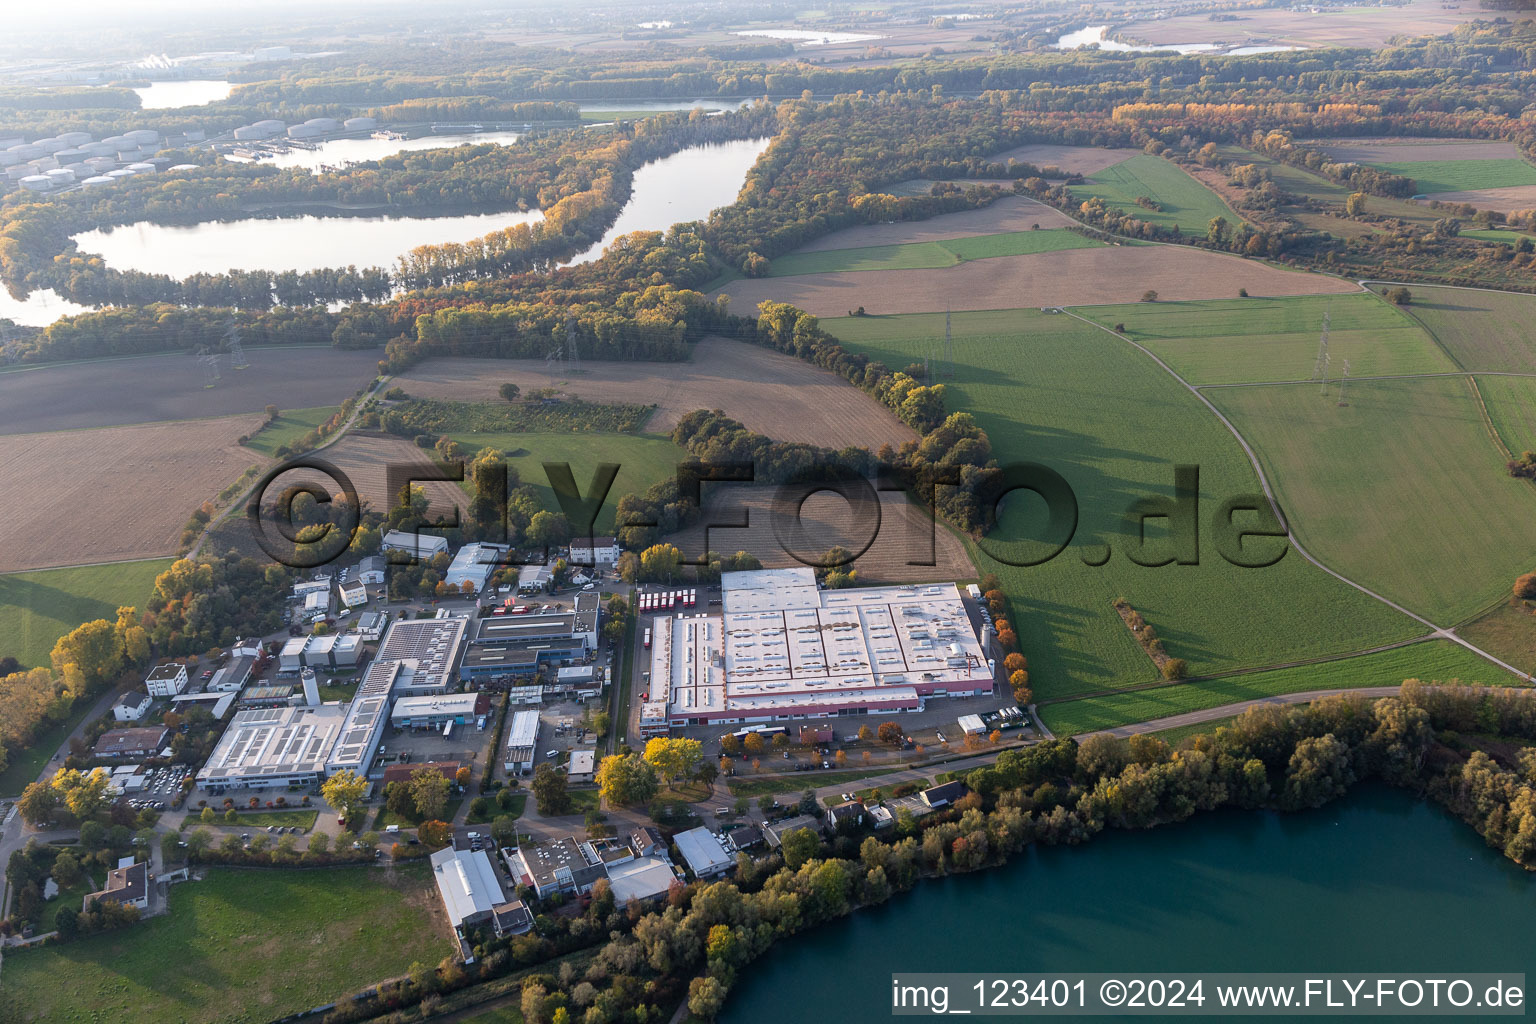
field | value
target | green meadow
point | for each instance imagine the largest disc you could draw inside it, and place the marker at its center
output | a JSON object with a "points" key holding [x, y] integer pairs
{"points": [[1431, 660], [1250, 340], [239, 946], [1184, 200], [642, 460], [933, 255], [36, 608], [1511, 404], [1482, 330], [288, 428], [1402, 488], [1054, 390], [1463, 175]]}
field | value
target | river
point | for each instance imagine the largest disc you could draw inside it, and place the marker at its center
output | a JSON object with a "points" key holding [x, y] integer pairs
{"points": [[1376, 882]]}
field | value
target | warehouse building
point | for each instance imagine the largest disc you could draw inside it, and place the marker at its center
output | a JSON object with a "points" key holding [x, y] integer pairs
{"points": [[473, 564], [420, 546], [703, 853], [473, 897], [428, 650], [232, 677], [371, 569], [522, 737], [365, 717], [784, 649], [436, 712], [274, 747]]}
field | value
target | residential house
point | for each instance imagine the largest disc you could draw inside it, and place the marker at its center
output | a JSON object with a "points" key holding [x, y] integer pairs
{"points": [[131, 707]]}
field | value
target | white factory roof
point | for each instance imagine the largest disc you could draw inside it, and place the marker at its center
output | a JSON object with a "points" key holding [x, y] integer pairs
{"points": [[431, 645], [270, 742], [640, 879], [524, 730], [467, 881], [702, 851], [783, 643], [449, 704], [365, 717]]}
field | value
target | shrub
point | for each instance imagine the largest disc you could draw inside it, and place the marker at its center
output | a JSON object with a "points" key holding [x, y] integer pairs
{"points": [[1175, 668], [1525, 586]]}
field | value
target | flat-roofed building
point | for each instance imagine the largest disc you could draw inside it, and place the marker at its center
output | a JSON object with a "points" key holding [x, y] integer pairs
{"points": [[553, 865], [582, 766], [354, 593], [522, 737], [474, 563], [217, 704], [498, 661], [784, 649], [232, 677], [492, 629], [418, 545], [361, 729], [166, 680], [371, 626], [371, 569], [435, 712], [643, 878], [274, 747], [597, 551], [703, 853], [429, 649]]}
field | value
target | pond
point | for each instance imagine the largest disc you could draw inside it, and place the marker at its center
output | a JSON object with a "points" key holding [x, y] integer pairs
{"points": [[1098, 34], [188, 93], [344, 152]]}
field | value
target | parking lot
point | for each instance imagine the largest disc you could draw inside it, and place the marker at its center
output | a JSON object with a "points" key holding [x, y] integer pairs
{"points": [[161, 789]]}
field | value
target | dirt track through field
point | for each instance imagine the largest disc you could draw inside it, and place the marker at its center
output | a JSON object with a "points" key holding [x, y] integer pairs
{"points": [[84, 496], [775, 394], [1082, 160], [1011, 213], [828, 520], [1075, 277]]}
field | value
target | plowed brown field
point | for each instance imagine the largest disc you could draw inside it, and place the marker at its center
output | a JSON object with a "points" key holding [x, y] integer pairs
{"points": [[1072, 159], [774, 394], [83, 496]]}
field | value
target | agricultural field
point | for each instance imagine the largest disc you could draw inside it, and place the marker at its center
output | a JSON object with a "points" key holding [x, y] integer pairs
{"points": [[772, 393], [1226, 341], [1432, 660], [289, 426], [147, 389], [1482, 330], [1010, 213], [1306, 27], [1437, 178], [1378, 489], [1052, 389], [36, 608], [365, 458], [239, 946], [1072, 277], [1084, 160], [1511, 405], [1508, 632], [903, 535], [1418, 152], [642, 461], [1184, 201], [113, 494], [929, 255]]}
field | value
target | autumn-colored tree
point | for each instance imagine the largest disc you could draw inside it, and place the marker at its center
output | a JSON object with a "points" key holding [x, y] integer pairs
{"points": [[435, 833], [866, 734], [1014, 662], [889, 732], [754, 743], [461, 777], [729, 744], [674, 758], [344, 792], [1525, 586], [429, 790]]}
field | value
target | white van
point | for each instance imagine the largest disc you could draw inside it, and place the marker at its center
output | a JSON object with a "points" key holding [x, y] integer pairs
{"points": [[391, 828]]}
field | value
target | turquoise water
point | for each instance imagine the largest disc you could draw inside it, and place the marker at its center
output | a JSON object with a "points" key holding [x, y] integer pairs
{"points": [[1377, 882]]}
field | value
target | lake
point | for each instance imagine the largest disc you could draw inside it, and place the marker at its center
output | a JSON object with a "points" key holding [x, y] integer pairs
{"points": [[190, 93], [1376, 882], [39, 309], [344, 152], [809, 38], [684, 186], [1098, 34]]}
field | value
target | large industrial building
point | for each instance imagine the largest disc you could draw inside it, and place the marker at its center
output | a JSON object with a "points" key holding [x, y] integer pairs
{"points": [[436, 712], [287, 747], [504, 646], [784, 649], [522, 737], [473, 564], [426, 650], [365, 718]]}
